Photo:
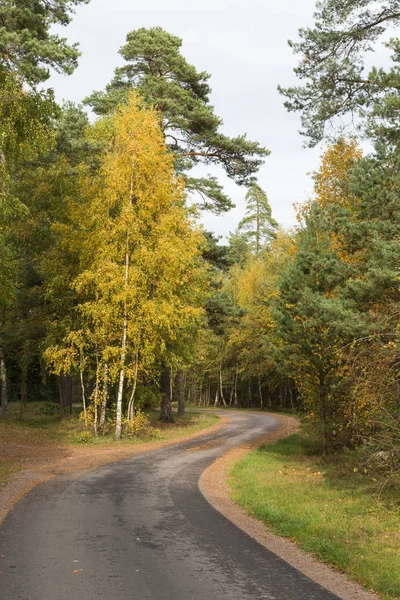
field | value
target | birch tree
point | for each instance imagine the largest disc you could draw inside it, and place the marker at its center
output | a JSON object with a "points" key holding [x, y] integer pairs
{"points": [[140, 285]]}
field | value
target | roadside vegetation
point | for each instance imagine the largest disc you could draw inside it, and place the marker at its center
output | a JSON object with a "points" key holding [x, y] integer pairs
{"points": [[40, 438], [340, 511]]}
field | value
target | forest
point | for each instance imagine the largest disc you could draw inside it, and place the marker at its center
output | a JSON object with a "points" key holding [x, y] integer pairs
{"points": [[112, 294]]}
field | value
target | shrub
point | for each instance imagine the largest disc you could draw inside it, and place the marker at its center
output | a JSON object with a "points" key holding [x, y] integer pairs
{"points": [[50, 408], [85, 437], [139, 426]]}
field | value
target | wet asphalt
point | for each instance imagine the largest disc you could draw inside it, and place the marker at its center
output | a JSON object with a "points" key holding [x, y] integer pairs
{"points": [[140, 529]]}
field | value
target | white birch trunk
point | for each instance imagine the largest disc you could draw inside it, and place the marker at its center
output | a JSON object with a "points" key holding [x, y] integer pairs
{"points": [[220, 386], [103, 404], [118, 425], [83, 395]]}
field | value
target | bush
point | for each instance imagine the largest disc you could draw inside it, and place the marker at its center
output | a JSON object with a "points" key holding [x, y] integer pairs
{"points": [[50, 408], [139, 426], [147, 396], [85, 437]]}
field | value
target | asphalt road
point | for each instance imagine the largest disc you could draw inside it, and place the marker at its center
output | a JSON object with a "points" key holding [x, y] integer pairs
{"points": [[140, 529]]}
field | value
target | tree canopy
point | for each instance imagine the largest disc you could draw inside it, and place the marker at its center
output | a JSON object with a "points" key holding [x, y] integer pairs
{"points": [[180, 95], [27, 45], [339, 89]]}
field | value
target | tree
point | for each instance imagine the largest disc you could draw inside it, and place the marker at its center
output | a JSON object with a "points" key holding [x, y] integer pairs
{"points": [[313, 319], [180, 95], [338, 306], [333, 58], [27, 52], [25, 131], [139, 286], [258, 225], [27, 45]]}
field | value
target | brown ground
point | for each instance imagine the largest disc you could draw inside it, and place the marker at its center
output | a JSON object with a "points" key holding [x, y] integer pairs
{"points": [[40, 462], [213, 485]]}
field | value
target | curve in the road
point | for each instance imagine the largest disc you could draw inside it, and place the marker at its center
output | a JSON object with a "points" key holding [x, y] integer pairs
{"points": [[140, 529]]}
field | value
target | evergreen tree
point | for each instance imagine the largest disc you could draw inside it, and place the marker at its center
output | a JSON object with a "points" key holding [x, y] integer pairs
{"points": [[180, 95], [27, 45], [333, 56], [258, 225]]}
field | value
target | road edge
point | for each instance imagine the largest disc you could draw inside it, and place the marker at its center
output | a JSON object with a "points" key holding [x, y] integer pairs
{"points": [[213, 484], [24, 481]]}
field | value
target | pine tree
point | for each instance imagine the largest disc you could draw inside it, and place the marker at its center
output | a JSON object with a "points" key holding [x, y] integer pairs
{"points": [[180, 95], [258, 225], [28, 47], [333, 56]]}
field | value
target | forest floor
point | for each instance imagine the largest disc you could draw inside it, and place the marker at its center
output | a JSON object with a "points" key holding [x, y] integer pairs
{"points": [[338, 511], [39, 446]]}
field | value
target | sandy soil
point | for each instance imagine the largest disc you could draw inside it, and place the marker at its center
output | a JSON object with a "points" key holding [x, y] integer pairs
{"points": [[213, 485]]}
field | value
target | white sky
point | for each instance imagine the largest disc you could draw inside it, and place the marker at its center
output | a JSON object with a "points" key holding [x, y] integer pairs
{"points": [[243, 44]]}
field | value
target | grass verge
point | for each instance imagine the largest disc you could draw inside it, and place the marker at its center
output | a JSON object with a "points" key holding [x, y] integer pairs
{"points": [[39, 439], [335, 511]]}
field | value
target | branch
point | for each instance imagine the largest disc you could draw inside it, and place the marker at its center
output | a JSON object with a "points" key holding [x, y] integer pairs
{"points": [[210, 154]]}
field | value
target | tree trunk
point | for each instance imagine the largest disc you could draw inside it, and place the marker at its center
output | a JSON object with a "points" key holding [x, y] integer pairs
{"points": [[260, 392], [118, 425], [61, 395], [103, 404], [322, 409], [96, 395], [68, 392], [235, 398], [23, 389], [291, 395], [83, 395], [131, 404], [216, 397], [220, 386], [43, 374], [180, 391], [165, 387], [3, 375]]}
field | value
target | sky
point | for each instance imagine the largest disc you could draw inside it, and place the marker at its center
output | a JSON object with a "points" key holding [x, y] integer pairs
{"points": [[243, 45]]}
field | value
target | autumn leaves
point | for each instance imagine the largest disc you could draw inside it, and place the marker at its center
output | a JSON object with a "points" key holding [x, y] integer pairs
{"points": [[140, 282]]}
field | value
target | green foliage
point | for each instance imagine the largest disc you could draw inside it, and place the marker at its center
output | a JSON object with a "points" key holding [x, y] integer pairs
{"points": [[147, 396], [27, 46], [140, 426], [180, 95], [333, 56], [258, 225], [84, 437], [337, 309], [50, 408]]}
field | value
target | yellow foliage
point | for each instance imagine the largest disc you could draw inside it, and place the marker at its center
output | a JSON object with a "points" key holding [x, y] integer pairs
{"points": [[138, 248], [334, 173]]}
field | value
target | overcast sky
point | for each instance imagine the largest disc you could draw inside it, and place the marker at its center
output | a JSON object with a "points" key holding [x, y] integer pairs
{"points": [[243, 44]]}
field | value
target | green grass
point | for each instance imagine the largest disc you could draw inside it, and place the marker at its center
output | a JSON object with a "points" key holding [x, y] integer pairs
{"points": [[335, 511]]}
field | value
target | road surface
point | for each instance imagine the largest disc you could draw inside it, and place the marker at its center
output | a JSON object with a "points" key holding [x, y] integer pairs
{"points": [[140, 529]]}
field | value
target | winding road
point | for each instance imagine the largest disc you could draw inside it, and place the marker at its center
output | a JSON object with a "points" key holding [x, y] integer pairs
{"points": [[140, 529]]}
